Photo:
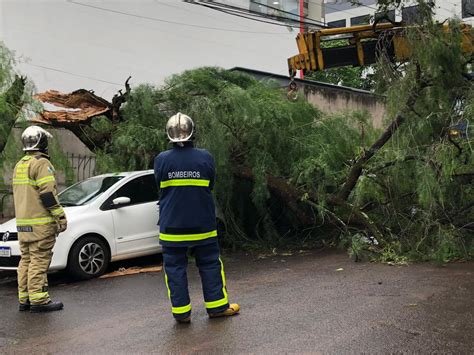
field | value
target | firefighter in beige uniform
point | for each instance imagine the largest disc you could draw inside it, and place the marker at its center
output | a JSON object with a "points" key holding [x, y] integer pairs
{"points": [[39, 219]]}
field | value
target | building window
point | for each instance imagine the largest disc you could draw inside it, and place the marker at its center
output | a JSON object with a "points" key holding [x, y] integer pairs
{"points": [[384, 15], [467, 8], [360, 20], [410, 14], [280, 8], [338, 23]]}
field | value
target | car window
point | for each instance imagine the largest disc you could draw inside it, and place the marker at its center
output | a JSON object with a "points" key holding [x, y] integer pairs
{"points": [[140, 190], [87, 191]]}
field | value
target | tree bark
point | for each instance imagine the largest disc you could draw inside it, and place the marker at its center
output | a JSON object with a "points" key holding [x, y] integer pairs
{"points": [[118, 100], [356, 169], [297, 199], [83, 130]]}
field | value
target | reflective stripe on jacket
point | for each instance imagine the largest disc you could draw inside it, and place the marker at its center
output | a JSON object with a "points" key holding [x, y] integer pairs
{"points": [[186, 177], [35, 196]]}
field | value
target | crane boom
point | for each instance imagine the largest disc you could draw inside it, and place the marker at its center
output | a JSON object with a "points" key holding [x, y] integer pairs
{"points": [[365, 42]]}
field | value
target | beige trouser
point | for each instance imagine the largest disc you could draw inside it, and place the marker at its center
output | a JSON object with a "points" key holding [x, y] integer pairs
{"points": [[32, 278]]}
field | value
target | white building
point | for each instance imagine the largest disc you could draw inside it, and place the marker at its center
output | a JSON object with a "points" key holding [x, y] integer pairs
{"points": [[96, 44], [341, 13]]}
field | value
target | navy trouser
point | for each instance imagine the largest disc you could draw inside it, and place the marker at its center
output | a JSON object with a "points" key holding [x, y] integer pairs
{"points": [[211, 269]]}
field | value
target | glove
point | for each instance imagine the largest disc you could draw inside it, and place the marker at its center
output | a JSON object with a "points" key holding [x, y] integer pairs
{"points": [[62, 224]]}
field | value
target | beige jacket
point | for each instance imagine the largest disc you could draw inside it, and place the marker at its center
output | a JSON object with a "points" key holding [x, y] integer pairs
{"points": [[37, 207]]}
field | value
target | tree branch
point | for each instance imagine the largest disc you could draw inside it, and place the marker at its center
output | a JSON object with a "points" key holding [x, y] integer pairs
{"points": [[356, 169]]}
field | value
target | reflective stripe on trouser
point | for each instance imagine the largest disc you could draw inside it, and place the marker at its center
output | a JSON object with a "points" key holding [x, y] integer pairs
{"points": [[32, 270], [212, 277], [212, 274], [175, 262]]}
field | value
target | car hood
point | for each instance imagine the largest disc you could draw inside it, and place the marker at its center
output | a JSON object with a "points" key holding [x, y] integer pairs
{"points": [[71, 213]]}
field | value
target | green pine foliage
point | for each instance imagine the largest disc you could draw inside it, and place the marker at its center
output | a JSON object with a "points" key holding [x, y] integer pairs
{"points": [[414, 199], [416, 190], [16, 105]]}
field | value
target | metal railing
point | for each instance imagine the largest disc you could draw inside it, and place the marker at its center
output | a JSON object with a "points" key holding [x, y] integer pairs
{"points": [[83, 166]]}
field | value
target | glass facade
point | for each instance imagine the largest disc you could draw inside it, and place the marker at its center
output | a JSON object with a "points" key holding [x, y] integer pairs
{"points": [[382, 17], [338, 23], [467, 8], [283, 8], [360, 20], [410, 14]]}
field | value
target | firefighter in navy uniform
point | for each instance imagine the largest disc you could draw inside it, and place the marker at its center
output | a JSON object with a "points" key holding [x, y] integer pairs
{"points": [[186, 177], [39, 219]]}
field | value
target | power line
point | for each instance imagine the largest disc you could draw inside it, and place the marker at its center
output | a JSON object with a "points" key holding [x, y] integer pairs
{"points": [[73, 74], [165, 21], [185, 8], [239, 12], [287, 12], [234, 13]]}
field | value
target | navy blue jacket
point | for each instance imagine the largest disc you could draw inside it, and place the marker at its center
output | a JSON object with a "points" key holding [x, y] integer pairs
{"points": [[185, 176]]}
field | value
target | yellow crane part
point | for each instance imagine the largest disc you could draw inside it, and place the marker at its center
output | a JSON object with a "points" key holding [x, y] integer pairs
{"points": [[365, 42]]}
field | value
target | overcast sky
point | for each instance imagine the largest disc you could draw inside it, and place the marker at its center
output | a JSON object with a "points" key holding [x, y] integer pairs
{"points": [[67, 44]]}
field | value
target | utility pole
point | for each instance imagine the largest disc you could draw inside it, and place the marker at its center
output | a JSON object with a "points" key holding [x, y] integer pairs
{"points": [[301, 28]]}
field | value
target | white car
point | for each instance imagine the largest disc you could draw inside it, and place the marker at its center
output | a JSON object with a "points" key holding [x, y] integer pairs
{"points": [[110, 217]]}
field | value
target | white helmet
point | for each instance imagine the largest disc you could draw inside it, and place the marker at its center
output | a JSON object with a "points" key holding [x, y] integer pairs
{"points": [[35, 138], [180, 128]]}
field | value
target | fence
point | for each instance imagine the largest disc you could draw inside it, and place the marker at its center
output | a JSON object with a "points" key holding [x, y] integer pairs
{"points": [[83, 166], [80, 167]]}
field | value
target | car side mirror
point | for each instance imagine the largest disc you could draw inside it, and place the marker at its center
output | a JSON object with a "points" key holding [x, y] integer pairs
{"points": [[119, 201]]}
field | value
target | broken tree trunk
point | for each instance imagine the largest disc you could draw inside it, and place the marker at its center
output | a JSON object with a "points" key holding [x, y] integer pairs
{"points": [[76, 110], [356, 169], [118, 100], [297, 201]]}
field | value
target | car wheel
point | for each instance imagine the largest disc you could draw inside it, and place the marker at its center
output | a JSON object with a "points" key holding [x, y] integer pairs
{"points": [[88, 258]]}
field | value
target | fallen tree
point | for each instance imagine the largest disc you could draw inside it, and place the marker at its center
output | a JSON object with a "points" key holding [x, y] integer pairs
{"points": [[307, 172], [291, 176]]}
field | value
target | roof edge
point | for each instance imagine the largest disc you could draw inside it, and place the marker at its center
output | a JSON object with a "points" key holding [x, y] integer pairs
{"points": [[305, 81]]}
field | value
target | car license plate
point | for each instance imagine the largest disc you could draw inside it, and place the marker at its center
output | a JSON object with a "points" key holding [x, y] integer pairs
{"points": [[5, 252]]}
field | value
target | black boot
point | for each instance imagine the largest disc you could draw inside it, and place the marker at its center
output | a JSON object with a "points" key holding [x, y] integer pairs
{"points": [[23, 307], [47, 307]]}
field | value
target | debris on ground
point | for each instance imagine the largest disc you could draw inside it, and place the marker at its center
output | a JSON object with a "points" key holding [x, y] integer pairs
{"points": [[132, 271]]}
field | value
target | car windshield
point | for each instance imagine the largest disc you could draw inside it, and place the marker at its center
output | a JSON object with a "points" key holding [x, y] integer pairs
{"points": [[87, 191]]}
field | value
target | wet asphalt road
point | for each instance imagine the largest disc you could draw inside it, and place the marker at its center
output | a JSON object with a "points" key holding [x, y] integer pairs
{"points": [[290, 304]]}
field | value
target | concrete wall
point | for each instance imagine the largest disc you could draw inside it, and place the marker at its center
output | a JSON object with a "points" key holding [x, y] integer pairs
{"points": [[316, 10], [332, 100]]}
